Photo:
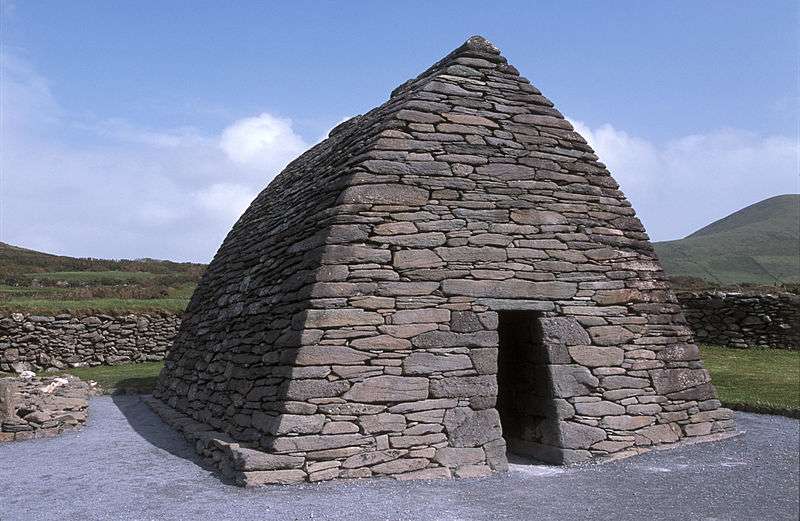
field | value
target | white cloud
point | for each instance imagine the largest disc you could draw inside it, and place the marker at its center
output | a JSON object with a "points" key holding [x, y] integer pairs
{"points": [[681, 185], [263, 142], [25, 97], [113, 189], [122, 131], [226, 199]]}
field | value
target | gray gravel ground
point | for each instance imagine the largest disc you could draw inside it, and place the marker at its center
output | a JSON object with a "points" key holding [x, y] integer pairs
{"points": [[126, 464]]}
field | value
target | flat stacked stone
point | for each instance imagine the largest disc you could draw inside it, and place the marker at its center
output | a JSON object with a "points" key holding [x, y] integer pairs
{"points": [[743, 319], [348, 325], [42, 407], [31, 342]]}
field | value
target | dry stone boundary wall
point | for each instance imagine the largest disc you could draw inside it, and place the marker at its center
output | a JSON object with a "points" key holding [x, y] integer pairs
{"points": [[743, 320], [35, 342]]}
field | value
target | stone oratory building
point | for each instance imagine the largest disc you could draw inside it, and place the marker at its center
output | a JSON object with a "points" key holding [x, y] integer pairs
{"points": [[449, 277]]}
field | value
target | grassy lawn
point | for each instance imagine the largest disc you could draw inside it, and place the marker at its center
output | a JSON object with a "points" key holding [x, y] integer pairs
{"points": [[758, 380], [102, 305], [139, 378], [89, 276], [52, 300]]}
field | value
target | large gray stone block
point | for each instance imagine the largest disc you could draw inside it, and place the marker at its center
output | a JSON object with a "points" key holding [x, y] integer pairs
{"points": [[610, 335], [668, 381], [346, 254], [522, 289], [599, 408], [328, 355], [484, 360], [464, 386], [438, 339], [307, 389], [250, 459], [468, 428], [383, 422], [416, 259], [286, 444], [420, 316], [579, 436], [381, 342], [626, 423], [563, 330], [388, 389], [384, 194], [571, 380], [7, 407], [597, 356], [271, 477], [364, 459], [428, 363], [453, 457], [315, 318]]}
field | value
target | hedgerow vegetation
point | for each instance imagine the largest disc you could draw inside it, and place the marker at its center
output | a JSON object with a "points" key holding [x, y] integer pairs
{"points": [[40, 282]]}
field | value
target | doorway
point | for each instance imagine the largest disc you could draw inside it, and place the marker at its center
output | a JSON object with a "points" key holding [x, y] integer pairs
{"points": [[525, 399]]}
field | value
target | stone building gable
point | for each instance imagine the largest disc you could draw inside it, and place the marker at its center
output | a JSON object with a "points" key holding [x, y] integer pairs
{"points": [[448, 273]]}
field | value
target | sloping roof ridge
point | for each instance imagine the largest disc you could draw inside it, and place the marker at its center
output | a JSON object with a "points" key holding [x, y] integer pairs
{"points": [[475, 47]]}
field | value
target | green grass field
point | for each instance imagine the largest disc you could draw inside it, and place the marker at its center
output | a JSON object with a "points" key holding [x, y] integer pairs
{"points": [[37, 282], [758, 380], [55, 300], [102, 305], [139, 378], [88, 276]]}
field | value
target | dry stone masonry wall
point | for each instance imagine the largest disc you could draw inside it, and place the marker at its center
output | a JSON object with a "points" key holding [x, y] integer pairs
{"points": [[42, 407], [36, 342], [452, 272], [744, 320]]}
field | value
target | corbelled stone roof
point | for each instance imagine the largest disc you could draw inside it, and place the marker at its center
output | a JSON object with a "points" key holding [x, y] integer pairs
{"points": [[350, 324]]}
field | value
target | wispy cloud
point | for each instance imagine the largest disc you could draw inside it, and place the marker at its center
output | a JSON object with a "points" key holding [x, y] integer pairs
{"points": [[126, 191], [681, 185]]}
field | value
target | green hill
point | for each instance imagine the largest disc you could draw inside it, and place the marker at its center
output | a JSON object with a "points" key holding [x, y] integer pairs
{"points": [[16, 260], [759, 244], [34, 281]]}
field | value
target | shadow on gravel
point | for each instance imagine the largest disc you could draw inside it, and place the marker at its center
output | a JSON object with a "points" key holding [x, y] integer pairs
{"points": [[150, 427]]}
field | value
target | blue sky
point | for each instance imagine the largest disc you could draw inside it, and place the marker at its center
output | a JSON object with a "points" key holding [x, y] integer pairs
{"points": [[135, 129]]}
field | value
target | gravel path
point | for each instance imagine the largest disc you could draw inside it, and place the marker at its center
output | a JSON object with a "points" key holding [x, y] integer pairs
{"points": [[126, 464]]}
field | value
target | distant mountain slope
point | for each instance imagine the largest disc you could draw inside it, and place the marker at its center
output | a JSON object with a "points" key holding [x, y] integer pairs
{"points": [[759, 244], [16, 260]]}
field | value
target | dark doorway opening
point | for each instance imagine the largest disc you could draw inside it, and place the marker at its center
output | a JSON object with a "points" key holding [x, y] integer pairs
{"points": [[525, 399]]}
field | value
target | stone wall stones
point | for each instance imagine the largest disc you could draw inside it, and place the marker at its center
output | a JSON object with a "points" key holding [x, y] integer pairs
{"points": [[349, 325], [37, 342], [42, 407], [742, 319]]}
